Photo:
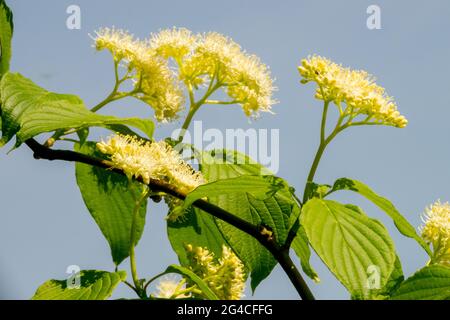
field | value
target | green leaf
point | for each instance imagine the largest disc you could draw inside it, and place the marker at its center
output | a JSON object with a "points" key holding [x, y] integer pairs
{"points": [[429, 283], [301, 248], [300, 245], [272, 212], [185, 272], [260, 187], [110, 200], [384, 204], [395, 279], [94, 285], [6, 31], [224, 164], [349, 243], [197, 228], [29, 110]]}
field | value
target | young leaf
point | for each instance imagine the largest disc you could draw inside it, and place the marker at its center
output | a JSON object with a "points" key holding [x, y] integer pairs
{"points": [[29, 110], [197, 228], [185, 272], [6, 31], [429, 283], [384, 204], [110, 201], [349, 243], [94, 285], [273, 212]]}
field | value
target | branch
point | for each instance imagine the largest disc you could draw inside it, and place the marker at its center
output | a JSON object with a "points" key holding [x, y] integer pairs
{"points": [[258, 232]]}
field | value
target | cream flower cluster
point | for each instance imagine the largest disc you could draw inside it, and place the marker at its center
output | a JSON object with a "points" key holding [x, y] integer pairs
{"points": [[171, 289], [150, 160], [356, 88], [203, 57], [155, 83], [436, 231], [225, 276], [200, 57]]}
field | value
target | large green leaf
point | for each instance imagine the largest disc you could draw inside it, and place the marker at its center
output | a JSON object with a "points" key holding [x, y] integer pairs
{"points": [[28, 110], [429, 283], [197, 228], [260, 187], [349, 243], [272, 212], [110, 201], [6, 31], [394, 281], [384, 204], [300, 245], [94, 285], [301, 248], [187, 273]]}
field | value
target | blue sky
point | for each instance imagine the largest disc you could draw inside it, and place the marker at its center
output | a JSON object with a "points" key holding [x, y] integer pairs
{"points": [[45, 226]]}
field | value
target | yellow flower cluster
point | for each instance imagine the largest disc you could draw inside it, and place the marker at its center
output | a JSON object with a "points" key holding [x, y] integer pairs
{"points": [[436, 231], [225, 277], [201, 58], [212, 56], [356, 88], [150, 160], [155, 82], [173, 43]]}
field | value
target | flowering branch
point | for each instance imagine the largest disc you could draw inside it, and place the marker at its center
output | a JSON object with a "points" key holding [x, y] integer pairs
{"points": [[258, 232]]}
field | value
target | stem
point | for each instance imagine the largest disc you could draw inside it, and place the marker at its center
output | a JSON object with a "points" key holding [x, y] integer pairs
{"points": [[282, 256], [319, 153], [114, 93], [110, 98], [306, 192], [153, 279], [131, 287], [222, 102], [269, 242], [194, 106], [134, 274], [313, 169], [192, 110], [323, 124]]}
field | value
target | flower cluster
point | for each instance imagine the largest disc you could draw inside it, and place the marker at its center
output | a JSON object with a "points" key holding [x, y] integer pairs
{"points": [[356, 88], [150, 160], [205, 58], [171, 289], [209, 58], [436, 231], [173, 43], [225, 276], [155, 83]]}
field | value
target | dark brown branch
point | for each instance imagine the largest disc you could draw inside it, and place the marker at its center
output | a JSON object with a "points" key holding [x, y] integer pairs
{"points": [[257, 232]]}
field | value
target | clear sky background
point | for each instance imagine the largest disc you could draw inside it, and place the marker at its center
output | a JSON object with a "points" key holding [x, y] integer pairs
{"points": [[44, 225]]}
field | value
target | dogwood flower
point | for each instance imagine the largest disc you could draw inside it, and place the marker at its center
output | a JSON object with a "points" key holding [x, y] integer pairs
{"points": [[210, 57], [225, 276], [150, 160], [436, 231], [154, 82], [355, 88], [171, 289]]}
